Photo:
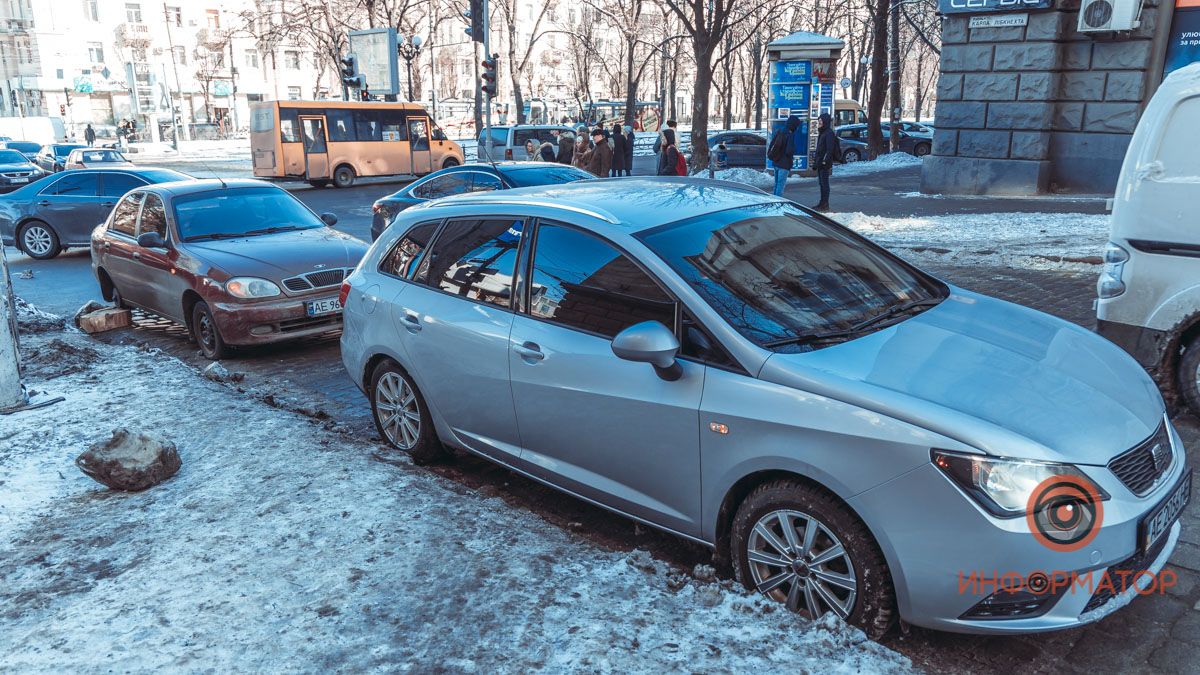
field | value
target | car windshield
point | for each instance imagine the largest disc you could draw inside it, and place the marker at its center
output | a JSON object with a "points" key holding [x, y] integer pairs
{"points": [[12, 157], [545, 175], [787, 280], [101, 156], [240, 212]]}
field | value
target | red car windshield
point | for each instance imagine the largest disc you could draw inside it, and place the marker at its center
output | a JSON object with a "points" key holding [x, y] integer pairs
{"points": [[226, 213]]}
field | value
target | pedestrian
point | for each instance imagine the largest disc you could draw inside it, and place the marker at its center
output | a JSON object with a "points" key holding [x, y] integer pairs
{"points": [[780, 151], [544, 152], [668, 156], [566, 146], [828, 152], [71, 138], [89, 135], [660, 141], [629, 137], [600, 157], [583, 145], [620, 165]]}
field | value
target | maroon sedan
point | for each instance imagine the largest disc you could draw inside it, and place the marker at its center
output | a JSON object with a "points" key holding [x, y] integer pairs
{"points": [[239, 262]]}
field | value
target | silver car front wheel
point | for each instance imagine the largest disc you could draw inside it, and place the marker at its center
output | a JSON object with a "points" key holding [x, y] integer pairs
{"points": [[796, 559]]}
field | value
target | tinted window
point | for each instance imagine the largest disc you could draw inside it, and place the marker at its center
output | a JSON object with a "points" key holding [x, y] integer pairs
{"points": [[475, 259], [444, 185], [546, 175], [751, 139], [341, 125], [583, 283], [162, 175], [124, 218], [154, 216], [523, 135], [367, 124], [394, 128], [400, 261], [236, 212], [75, 185], [12, 157], [485, 182], [775, 273], [289, 126], [117, 184]]}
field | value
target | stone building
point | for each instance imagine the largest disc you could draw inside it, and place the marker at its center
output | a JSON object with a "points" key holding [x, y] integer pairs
{"points": [[1040, 107]]}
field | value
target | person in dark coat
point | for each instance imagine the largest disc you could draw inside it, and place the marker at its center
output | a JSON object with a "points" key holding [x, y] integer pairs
{"points": [[89, 135], [566, 147], [669, 156], [826, 154], [600, 157], [781, 161], [620, 166], [583, 145]]}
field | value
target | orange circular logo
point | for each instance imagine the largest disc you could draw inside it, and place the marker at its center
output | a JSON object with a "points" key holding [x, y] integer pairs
{"points": [[1064, 513]]}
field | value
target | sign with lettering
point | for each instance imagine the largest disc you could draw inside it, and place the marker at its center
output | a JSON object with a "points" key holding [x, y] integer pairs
{"points": [[791, 89], [999, 21], [980, 6], [1183, 46]]}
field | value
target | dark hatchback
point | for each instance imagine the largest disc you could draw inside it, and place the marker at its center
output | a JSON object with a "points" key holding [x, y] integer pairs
{"points": [[61, 210], [16, 170], [467, 178]]}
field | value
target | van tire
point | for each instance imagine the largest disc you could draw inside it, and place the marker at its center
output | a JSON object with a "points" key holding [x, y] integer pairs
{"points": [[1186, 374], [343, 177]]}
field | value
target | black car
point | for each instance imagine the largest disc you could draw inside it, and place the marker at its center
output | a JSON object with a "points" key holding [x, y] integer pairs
{"points": [[16, 170], [857, 133], [27, 148], [53, 157], [61, 210], [744, 148], [477, 177]]}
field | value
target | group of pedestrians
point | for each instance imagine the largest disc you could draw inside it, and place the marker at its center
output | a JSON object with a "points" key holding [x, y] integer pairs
{"points": [[602, 152], [782, 148]]}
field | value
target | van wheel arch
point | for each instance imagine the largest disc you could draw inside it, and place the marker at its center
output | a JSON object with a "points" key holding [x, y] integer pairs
{"points": [[344, 175]]}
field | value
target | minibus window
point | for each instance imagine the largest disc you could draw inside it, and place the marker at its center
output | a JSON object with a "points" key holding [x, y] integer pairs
{"points": [[289, 126]]}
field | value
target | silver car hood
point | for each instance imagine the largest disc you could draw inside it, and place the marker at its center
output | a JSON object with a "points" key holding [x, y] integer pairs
{"points": [[1005, 379]]}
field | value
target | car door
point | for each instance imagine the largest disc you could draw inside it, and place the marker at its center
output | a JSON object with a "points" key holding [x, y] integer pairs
{"points": [[71, 205], [454, 324], [601, 427], [160, 290], [418, 139], [119, 245], [754, 150]]}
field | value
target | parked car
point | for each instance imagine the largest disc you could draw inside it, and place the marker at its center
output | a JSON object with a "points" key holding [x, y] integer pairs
{"points": [[850, 432], [476, 177], [57, 212], [27, 148], [913, 145], [239, 262], [53, 157], [508, 142], [1149, 289], [745, 148], [16, 170], [853, 141], [96, 158], [914, 129]]}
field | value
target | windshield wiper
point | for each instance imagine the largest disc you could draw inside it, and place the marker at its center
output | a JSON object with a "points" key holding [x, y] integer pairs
{"points": [[857, 328], [214, 235], [277, 228]]}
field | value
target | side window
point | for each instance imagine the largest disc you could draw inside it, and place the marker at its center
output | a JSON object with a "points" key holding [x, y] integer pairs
{"points": [[400, 261], [289, 125], [124, 218], [583, 283], [394, 128], [753, 139], [475, 259], [522, 135], [366, 123], [445, 185], [341, 125], [75, 185], [484, 182], [117, 184], [154, 216]]}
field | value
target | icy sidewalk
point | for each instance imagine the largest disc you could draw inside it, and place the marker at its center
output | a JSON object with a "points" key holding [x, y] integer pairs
{"points": [[281, 546]]}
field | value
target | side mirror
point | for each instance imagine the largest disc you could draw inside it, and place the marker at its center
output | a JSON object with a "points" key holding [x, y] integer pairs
{"points": [[653, 343], [151, 240], [329, 219]]}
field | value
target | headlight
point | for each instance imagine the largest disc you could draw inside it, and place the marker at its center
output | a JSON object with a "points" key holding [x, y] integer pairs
{"points": [[1003, 486], [1111, 285], [250, 287]]}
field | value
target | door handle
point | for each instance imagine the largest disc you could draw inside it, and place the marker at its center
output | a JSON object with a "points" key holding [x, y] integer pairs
{"points": [[530, 351], [44, 202], [412, 323]]}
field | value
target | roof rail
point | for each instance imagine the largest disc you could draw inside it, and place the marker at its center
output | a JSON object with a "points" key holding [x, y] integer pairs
{"points": [[595, 213]]}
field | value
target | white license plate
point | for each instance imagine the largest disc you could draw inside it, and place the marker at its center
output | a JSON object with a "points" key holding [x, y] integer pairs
{"points": [[323, 306], [1157, 522], [18, 180]]}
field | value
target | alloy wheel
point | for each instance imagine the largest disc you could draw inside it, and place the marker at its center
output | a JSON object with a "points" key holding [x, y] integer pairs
{"points": [[37, 240], [398, 410], [796, 559]]}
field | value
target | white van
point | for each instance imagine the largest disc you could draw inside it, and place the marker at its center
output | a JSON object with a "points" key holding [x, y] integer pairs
{"points": [[1149, 290]]}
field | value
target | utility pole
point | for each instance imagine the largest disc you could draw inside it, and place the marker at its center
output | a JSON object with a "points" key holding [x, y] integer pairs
{"points": [[894, 76], [175, 68], [432, 66], [758, 93]]}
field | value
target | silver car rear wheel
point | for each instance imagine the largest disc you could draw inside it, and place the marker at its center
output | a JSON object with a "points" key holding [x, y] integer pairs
{"points": [[796, 559], [398, 410]]}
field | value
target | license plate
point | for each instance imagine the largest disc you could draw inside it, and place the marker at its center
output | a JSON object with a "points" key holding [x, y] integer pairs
{"points": [[1156, 523], [323, 306], [18, 180]]}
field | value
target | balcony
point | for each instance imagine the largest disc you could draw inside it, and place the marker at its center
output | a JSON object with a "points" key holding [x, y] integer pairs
{"points": [[130, 34]]}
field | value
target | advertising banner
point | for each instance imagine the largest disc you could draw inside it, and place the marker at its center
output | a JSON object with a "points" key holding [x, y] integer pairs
{"points": [[791, 94], [980, 6], [377, 59], [1183, 46]]}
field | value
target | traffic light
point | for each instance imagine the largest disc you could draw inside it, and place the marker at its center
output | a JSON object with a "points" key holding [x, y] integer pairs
{"points": [[476, 15], [350, 75], [364, 94], [488, 76], [62, 110]]}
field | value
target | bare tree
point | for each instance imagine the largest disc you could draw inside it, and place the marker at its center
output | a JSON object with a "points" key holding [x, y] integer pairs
{"points": [[209, 57], [520, 45], [878, 89]]}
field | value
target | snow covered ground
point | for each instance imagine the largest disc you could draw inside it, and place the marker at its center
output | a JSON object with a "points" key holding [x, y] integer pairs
{"points": [[284, 544], [766, 180]]}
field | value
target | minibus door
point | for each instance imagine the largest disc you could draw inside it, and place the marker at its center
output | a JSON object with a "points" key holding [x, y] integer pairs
{"points": [[316, 153], [418, 138]]}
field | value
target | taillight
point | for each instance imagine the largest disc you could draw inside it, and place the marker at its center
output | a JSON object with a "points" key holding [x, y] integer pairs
{"points": [[344, 293]]}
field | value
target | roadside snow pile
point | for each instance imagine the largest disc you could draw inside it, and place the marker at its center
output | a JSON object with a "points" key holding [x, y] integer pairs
{"points": [[281, 546], [1027, 240], [759, 179], [766, 179], [888, 162]]}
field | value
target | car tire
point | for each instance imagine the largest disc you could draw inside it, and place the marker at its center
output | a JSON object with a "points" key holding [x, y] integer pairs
{"points": [[39, 241], [319, 183], [207, 334], [450, 162], [870, 604], [921, 149], [343, 177], [401, 416], [850, 156], [1187, 374]]}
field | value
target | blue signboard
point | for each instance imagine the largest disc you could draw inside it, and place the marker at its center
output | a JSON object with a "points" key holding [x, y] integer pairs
{"points": [[790, 95], [1184, 45]]}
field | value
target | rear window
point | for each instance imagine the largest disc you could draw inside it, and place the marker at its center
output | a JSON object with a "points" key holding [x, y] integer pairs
{"points": [[262, 120], [163, 175], [546, 175]]}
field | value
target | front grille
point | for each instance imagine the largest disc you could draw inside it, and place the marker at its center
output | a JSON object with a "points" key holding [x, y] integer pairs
{"points": [[1127, 569], [1140, 468], [17, 174], [317, 279]]}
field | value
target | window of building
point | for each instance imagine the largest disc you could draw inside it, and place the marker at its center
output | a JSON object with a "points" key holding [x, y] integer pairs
{"points": [[251, 56], [475, 260], [399, 262], [217, 57], [133, 12], [291, 60], [581, 282], [174, 16], [91, 10], [95, 52], [214, 19], [293, 93], [180, 55]]}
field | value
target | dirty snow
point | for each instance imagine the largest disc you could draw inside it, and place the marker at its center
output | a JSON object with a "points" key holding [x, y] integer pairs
{"points": [[766, 180], [283, 546], [1072, 241]]}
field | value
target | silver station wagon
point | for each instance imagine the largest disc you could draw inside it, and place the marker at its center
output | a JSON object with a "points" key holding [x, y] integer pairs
{"points": [[848, 433]]}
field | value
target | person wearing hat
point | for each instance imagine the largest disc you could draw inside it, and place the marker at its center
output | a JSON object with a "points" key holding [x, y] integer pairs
{"points": [[600, 157]]}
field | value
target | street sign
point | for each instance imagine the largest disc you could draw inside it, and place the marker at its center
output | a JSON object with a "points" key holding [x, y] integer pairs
{"points": [[845, 83], [377, 59], [999, 21]]}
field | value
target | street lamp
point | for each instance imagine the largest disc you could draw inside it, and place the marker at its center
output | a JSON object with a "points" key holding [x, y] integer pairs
{"points": [[409, 48]]}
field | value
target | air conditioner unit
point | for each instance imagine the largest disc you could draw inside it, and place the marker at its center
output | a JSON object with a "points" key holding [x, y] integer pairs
{"points": [[1109, 15]]}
